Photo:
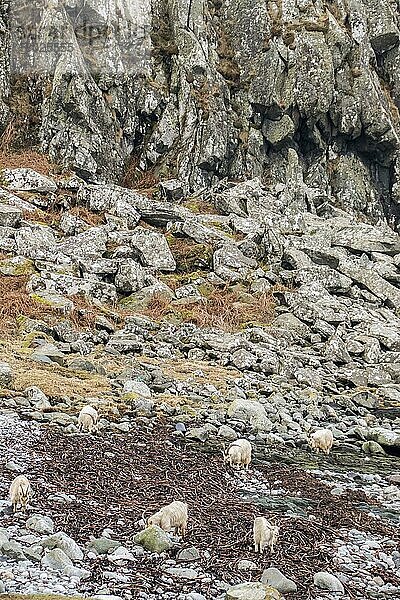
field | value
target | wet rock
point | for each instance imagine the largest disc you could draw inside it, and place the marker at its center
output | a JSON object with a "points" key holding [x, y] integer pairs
{"points": [[188, 554], [120, 555], [182, 573], [247, 565], [384, 437], [12, 550]]}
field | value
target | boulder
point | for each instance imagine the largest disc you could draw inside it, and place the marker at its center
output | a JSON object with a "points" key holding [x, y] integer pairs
{"points": [[6, 375], [36, 242], [40, 524], [10, 216], [152, 248], [372, 448], [252, 591], [16, 266], [56, 559], [275, 578], [232, 265], [154, 539], [327, 581], [27, 180], [89, 244], [65, 543], [103, 545], [249, 411]]}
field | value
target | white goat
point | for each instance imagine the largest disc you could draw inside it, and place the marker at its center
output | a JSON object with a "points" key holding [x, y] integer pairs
{"points": [[20, 492], [264, 534], [322, 439], [172, 516], [87, 419], [238, 454]]}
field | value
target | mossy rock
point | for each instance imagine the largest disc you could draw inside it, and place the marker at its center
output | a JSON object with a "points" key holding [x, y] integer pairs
{"points": [[129, 397], [34, 335], [55, 301], [17, 266], [154, 539]]}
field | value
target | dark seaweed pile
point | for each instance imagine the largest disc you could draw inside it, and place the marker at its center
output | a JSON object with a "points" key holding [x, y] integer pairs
{"points": [[118, 478]]}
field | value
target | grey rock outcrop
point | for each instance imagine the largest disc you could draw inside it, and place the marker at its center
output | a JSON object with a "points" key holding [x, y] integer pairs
{"points": [[305, 95]]}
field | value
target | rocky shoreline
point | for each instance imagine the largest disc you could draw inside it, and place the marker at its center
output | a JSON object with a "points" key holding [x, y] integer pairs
{"points": [[276, 325]]}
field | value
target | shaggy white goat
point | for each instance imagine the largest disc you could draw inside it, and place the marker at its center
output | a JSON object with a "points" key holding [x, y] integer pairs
{"points": [[264, 534], [322, 439], [87, 419], [172, 516], [20, 492], [239, 454]]}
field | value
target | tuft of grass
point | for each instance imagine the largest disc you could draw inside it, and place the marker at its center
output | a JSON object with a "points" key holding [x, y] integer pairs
{"points": [[16, 301], [135, 179], [49, 217], [200, 206], [93, 219], [29, 159], [189, 255], [223, 308]]}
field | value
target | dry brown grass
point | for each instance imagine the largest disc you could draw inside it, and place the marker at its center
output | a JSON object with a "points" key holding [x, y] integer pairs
{"points": [[56, 381], [136, 179], [29, 159], [181, 370], [189, 255], [15, 301], [93, 219], [49, 217], [223, 309]]}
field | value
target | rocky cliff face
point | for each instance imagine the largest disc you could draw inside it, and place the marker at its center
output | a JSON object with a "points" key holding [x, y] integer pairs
{"points": [[292, 90]]}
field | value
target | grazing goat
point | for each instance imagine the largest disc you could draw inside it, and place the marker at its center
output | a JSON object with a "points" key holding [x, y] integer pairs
{"points": [[172, 516], [20, 492], [264, 534], [238, 454], [87, 419], [322, 439]]}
